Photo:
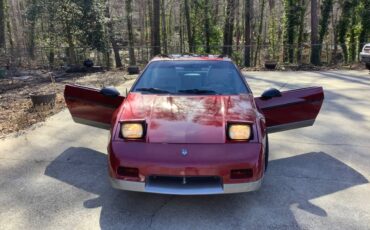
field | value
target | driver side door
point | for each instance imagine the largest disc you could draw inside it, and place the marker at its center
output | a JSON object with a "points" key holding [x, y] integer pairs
{"points": [[89, 106]]}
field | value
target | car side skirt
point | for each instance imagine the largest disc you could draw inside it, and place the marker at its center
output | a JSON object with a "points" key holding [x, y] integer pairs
{"points": [[95, 124], [204, 190], [292, 125]]}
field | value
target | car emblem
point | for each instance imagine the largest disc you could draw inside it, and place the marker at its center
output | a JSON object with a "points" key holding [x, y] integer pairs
{"points": [[184, 152]]}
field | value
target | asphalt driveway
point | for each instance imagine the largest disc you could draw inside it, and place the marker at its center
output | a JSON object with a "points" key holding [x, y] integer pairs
{"points": [[55, 175]]}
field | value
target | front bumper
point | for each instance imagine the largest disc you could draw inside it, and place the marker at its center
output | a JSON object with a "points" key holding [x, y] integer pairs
{"points": [[365, 57], [206, 169], [206, 189]]}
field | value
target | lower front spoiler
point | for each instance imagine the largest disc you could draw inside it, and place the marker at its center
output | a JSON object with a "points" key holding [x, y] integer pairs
{"points": [[186, 190], [365, 58]]}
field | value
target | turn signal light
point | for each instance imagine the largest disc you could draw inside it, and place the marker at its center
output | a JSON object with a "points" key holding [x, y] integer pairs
{"points": [[128, 172], [241, 174]]}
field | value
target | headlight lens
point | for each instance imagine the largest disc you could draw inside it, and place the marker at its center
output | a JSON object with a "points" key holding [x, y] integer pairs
{"points": [[132, 130], [239, 132]]}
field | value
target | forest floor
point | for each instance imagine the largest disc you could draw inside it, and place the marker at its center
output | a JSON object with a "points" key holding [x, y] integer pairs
{"points": [[54, 176], [16, 110], [309, 67]]}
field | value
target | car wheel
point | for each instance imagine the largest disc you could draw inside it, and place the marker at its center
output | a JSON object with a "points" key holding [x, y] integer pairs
{"points": [[368, 66], [266, 152]]}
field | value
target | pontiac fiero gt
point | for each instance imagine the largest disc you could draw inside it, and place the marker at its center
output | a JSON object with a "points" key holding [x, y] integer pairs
{"points": [[190, 125]]}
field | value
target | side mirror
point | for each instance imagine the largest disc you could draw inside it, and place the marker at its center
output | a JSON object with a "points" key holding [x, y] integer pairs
{"points": [[109, 91], [270, 93]]}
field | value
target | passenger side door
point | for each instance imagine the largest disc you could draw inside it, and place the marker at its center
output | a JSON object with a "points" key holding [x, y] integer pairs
{"points": [[292, 109]]}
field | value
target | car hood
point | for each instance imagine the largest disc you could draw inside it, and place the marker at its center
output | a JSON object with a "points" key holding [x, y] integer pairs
{"points": [[187, 118]]}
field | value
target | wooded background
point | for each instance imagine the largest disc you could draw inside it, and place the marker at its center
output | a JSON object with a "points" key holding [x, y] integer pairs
{"points": [[116, 33]]}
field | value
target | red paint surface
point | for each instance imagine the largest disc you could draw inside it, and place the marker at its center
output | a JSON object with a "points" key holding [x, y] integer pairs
{"points": [[197, 123], [188, 119], [293, 106], [202, 159], [89, 104]]}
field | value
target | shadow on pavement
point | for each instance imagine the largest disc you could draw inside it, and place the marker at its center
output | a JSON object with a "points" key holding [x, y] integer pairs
{"points": [[347, 77], [289, 181], [331, 96]]}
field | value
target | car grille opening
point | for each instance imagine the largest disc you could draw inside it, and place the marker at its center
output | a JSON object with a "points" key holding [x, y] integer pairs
{"points": [[184, 185]]}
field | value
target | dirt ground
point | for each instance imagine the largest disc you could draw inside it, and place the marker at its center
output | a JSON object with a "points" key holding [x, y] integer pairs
{"points": [[318, 177], [16, 110], [308, 67]]}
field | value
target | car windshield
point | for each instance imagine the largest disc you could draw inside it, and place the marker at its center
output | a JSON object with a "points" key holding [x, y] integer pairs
{"points": [[191, 77], [367, 49]]}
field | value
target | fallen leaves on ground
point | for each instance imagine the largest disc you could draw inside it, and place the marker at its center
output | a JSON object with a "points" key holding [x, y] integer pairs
{"points": [[16, 110]]}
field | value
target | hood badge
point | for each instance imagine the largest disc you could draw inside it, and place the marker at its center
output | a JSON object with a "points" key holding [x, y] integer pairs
{"points": [[184, 152]]}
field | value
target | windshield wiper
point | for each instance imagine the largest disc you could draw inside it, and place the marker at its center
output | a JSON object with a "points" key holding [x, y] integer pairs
{"points": [[152, 90], [197, 91]]}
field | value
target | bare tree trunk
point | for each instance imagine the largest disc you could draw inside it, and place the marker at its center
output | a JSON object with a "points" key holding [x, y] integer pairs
{"points": [[142, 30], [164, 29], [170, 21], [112, 39], [10, 35], [51, 46], [327, 7], [193, 34], [131, 44], [334, 22], [156, 38], [301, 29], [352, 38], [217, 9], [259, 33], [365, 22], [31, 35], [107, 59], [238, 32], [2, 23], [150, 25], [71, 46], [229, 28], [188, 27], [290, 32], [315, 49], [50, 35], [207, 29], [181, 30], [248, 7]]}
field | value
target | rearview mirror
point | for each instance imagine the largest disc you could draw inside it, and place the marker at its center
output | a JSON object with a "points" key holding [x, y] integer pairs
{"points": [[110, 91], [270, 93]]}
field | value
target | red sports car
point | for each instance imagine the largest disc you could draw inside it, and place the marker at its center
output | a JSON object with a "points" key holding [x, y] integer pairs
{"points": [[190, 125]]}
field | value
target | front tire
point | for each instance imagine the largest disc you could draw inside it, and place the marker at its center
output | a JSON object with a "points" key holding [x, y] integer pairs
{"points": [[368, 66]]}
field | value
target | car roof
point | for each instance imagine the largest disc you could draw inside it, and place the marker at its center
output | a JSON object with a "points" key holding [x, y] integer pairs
{"points": [[190, 57]]}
